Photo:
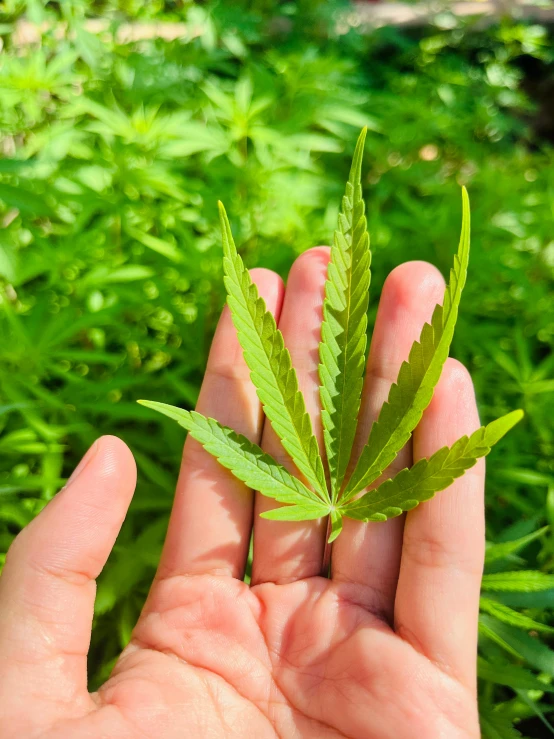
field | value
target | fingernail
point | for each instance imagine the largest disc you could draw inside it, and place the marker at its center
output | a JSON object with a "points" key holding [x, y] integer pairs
{"points": [[83, 464]]}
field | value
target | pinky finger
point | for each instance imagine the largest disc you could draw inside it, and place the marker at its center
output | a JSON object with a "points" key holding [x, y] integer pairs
{"points": [[437, 600]]}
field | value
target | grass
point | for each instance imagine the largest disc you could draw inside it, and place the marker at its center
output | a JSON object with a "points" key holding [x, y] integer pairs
{"points": [[110, 277]]}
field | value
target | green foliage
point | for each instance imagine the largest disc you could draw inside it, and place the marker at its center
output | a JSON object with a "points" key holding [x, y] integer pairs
{"points": [[341, 373], [115, 152], [509, 616], [523, 581], [504, 673], [494, 725], [505, 549]]}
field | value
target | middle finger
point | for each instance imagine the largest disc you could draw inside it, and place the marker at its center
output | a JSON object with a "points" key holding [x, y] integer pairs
{"points": [[368, 554], [288, 551]]}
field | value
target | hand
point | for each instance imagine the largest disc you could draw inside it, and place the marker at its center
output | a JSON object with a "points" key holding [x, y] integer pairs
{"points": [[385, 648]]}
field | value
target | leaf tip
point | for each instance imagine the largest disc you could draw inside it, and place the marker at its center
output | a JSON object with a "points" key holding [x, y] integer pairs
{"points": [[499, 428], [356, 168], [514, 417], [222, 215], [518, 415], [152, 404], [465, 202], [333, 535], [226, 233]]}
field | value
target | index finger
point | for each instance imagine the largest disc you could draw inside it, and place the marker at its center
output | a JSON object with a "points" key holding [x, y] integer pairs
{"points": [[211, 520]]}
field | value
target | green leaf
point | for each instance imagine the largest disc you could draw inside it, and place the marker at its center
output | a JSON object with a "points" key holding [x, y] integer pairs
{"points": [[412, 486], [343, 331], [158, 245], [524, 581], [501, 550], [542, 599], [244, 458], [514, 618], [304, 512], [336, 525], [24, 200], [513, 676], [487, 630], [496, 726], [518, 643], [536, 708], [103, 275], [413, 390], [270, 365]]}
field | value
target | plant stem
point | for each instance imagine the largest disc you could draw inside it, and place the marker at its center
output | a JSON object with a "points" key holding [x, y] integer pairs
{"points": [[326, 564]]}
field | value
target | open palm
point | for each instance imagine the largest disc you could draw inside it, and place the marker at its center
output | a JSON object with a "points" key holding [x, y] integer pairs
{"points": [[384, 647]]}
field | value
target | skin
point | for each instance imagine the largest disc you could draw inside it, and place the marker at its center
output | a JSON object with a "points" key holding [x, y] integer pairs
{"points": [[383, 648]]}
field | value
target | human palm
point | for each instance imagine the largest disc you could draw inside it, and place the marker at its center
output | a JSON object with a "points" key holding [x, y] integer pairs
{"points": [[383, 647]]}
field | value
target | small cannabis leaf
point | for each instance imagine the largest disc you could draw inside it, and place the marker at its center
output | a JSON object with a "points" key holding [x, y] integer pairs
{"points": [[342, 359], [514, 618]]}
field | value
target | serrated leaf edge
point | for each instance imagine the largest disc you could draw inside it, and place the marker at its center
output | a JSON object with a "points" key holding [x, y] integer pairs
{"points": [[270, 365], [382, 447], [343, 330]]}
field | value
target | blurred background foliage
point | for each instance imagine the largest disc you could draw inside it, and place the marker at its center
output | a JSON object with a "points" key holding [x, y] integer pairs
{"points": [[115, 152]]}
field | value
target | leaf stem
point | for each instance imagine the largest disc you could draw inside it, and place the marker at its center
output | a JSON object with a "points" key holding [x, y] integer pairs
{"points": [[326, 564]]}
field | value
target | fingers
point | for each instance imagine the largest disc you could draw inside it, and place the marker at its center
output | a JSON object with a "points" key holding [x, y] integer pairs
{"points": [[211, 520], [286, 551], [47, 587], [368, 554], [442, 558]]}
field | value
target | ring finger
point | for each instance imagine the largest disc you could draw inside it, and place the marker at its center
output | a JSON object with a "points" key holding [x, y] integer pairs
{"points": [[368, 554]]}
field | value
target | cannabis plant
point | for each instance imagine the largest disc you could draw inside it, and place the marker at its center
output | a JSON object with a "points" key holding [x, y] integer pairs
{"points": [[331, 485]]}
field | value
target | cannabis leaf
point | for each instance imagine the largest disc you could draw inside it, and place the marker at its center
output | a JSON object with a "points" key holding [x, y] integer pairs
{"points": [[343, 331], [245, 459], [505, 673], [270, 364], [342, 358], [514, 618], [428, 476], [501, 550], [413, 390], [496, 725], [523, 581]]}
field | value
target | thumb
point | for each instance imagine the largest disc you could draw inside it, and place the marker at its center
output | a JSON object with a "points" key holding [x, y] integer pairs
{"points": [[47, 586]]}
